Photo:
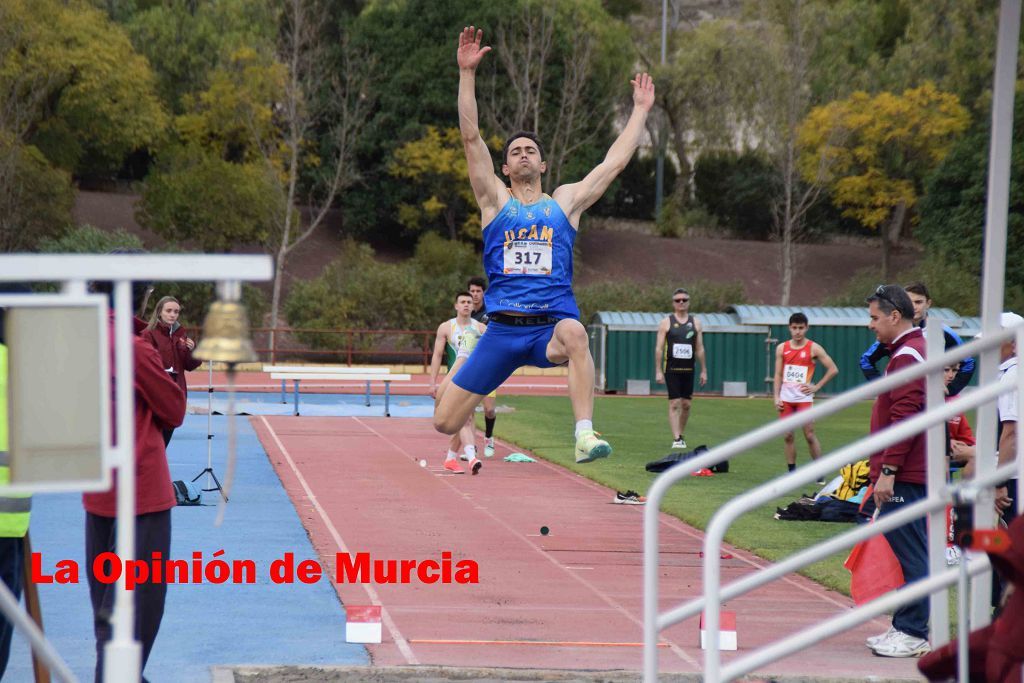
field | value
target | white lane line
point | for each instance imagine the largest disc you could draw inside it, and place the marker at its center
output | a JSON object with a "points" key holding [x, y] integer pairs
{"points": [[396, 635], [607, 599]]}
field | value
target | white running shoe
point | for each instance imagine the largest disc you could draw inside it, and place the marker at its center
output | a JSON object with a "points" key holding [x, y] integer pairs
{"points": [[489, 448], [679, 444], [901, 644], [875, 640]]}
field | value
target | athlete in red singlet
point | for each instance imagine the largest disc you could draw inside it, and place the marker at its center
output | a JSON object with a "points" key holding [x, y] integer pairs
{"points": [[794, 390]]}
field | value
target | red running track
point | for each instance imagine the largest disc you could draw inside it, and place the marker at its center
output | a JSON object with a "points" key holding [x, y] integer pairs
{"points": [[568, 600]]}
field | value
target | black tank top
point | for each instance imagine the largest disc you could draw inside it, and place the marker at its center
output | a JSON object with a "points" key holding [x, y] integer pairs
{"points": [[679, 345]]}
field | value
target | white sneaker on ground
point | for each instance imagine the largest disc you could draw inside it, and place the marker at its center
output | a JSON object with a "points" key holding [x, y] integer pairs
{"points": [[875, 640], [489, 448], [679, 445], [901, 644]]}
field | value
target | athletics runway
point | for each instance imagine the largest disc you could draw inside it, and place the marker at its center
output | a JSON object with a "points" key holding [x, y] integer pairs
{"points": [[568, 600]]}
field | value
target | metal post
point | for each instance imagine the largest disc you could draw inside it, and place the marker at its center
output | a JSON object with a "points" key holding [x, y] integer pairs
{"points": [[123, 653], [994, 268], [938, 471], [295, 393], [659, 173]]}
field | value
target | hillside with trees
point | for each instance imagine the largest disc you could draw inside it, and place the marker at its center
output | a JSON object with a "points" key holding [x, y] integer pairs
{"points": [[810, 146]]}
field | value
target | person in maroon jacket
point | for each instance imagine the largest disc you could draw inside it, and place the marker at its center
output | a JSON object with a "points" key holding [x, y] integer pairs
{"points": [[159, 405], [899, 473], [168, 337]]}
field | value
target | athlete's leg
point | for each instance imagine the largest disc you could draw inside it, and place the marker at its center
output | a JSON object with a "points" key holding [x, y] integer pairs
{"points": [[453, 407], [675, 411], [790, 448], [467, 435], [571, 343], [812, 441], [489, 418], [684, 414]]}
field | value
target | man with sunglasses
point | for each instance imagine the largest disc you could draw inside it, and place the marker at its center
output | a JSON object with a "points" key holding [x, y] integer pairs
{"points": [[922, 302], [679, 344], [899, 473]]}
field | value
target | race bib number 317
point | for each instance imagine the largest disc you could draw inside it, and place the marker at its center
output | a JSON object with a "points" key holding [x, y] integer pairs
{"points": [[528, 258]]}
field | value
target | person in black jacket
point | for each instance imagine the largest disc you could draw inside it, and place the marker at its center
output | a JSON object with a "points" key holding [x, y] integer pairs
{"points": [[918, 293]]}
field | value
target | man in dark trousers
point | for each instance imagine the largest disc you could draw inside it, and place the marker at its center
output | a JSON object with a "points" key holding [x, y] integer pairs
{"points": [[159, 405], [899, 473]]}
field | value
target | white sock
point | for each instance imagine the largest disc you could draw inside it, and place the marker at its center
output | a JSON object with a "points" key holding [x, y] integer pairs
{"points": [[470, 452], [583, 425], [452, 455]]}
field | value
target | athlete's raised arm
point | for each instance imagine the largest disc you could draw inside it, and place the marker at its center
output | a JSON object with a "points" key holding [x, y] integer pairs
{"points": [[487, 187], [576, 198]]}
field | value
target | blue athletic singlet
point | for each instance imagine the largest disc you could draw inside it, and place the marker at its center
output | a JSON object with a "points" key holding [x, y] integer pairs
{"points": [[528, 260]]}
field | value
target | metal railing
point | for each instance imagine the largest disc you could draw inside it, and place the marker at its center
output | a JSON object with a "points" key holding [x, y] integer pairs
{"points": [[937, 498]]}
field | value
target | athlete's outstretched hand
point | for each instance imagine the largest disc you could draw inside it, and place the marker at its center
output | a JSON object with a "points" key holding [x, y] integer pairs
{"points": [[470, 53], [643, 91]]}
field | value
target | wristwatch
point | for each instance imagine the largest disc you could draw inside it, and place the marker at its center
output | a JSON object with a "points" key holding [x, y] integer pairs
{"points": [[888, 471]]}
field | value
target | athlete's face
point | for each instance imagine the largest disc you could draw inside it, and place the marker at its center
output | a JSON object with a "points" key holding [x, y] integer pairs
{"points": [[949, 373], [477, 292], [681, 302], [464, 305], [921, 306], [523, 162], [797, 331]]}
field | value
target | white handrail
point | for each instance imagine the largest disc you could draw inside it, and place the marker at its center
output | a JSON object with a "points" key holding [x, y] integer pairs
{"points": [[804, 475]]}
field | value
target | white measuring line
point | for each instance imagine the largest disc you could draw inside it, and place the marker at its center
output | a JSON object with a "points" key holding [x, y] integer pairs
{"points": [[396, 635]]}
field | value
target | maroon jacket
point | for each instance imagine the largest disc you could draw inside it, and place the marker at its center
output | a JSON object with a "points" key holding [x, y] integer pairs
{"points": [[898, 405], [173, 351], [159, 404]]}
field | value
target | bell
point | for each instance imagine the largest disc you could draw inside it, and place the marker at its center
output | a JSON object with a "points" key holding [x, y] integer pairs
{"points": [[226, 335]]}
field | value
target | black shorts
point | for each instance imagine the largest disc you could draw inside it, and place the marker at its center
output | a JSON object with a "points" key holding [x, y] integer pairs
{"points": [[679, 384]]}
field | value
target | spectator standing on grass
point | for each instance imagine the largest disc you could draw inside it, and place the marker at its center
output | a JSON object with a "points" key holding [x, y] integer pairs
{"points": [[168, 337], [677, 348], [899, 473], [793, 386]]}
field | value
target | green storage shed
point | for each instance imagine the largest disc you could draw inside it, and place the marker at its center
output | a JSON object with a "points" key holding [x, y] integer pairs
{"points": [[740, 344], [842, 331], [622, 344]]}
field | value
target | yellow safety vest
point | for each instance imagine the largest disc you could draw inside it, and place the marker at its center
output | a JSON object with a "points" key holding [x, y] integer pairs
{"points": [[14, 507]]}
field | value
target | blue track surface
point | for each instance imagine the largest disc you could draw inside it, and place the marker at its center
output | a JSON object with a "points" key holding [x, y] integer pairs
{"points": [[256, 403], [205, 624]]}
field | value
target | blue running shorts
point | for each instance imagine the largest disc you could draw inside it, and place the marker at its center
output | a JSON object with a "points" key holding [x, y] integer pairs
{"points": [[501, 351]]}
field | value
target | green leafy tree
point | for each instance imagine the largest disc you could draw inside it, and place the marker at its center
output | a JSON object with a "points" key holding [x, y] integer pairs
{"points": [[35, 197], [873, 153], [194, 196], [953, 208], [436, 163], [98, 100]]}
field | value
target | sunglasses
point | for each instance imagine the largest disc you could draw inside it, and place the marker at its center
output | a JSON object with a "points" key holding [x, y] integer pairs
{"points": [[880, 293], [680, 301]]}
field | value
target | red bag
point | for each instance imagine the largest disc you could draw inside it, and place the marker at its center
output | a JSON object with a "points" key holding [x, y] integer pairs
{"points": [[874, 570]]}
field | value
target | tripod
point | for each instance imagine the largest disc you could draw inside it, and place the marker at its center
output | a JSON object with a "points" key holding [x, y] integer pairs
{"points": [[209, 442]]}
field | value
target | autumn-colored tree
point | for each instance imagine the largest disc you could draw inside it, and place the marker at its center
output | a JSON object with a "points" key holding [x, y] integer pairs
{"points": [[873, 153], [436, 163]]}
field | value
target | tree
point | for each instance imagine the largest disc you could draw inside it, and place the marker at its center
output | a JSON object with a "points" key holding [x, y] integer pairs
{"points": [[708, 93], [877, 151], [437, 163], [953, 208], [99, 98]]}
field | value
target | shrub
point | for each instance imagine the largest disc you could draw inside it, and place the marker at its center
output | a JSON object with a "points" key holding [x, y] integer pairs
{"points": [[654, 297], [738, 190]]}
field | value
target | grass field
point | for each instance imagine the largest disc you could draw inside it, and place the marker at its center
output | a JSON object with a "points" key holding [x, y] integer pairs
{"points": [[637, 428]]}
